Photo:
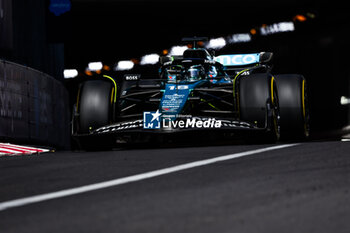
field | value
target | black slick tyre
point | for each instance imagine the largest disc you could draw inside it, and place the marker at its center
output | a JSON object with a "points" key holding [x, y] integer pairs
{"points": [[94, 109], [94, 106], [294, 109], [259, 104]]}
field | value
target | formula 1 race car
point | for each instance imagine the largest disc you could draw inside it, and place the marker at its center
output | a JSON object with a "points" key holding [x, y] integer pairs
{"points": [[197, 92]]}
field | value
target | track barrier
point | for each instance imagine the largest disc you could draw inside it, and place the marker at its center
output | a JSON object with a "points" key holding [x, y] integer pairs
{"points": [[33, 107]]}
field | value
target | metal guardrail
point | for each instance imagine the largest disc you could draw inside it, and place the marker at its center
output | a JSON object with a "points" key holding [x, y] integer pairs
{"points": [[33, 106]]}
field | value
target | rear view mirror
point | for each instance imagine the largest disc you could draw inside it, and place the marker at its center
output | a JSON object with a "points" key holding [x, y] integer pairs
{"points": [[265, 57]]}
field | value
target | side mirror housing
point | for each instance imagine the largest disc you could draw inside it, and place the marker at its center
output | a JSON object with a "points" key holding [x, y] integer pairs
{"points": [[266, 57]]}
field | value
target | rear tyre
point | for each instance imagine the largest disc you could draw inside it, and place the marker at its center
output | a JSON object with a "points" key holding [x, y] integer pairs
{"points": [[259, 104], [294, 108]]}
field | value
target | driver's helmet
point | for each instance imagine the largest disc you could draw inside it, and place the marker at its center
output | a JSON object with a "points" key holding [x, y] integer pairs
{"points": [[212, 73], [195, 73]]}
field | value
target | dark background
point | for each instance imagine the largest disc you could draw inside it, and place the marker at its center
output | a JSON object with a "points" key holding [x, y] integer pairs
{"points": [[113, 30]]}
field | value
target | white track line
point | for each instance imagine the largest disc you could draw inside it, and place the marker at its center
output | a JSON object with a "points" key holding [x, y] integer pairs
{"points": [[133, 178]]}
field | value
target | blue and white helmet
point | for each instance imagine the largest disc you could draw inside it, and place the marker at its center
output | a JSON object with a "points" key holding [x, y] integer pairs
{"points": [[212, 73], [195, 73]]}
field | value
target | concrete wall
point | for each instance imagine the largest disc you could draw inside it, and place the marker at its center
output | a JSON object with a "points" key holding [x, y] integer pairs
{"points": [[33, 107]]}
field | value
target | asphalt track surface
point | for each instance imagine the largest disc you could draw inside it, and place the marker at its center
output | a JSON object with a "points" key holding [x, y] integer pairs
{"points": [[289, 188]]}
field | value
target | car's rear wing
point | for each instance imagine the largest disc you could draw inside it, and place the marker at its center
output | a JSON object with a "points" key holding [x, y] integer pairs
{"points": [[241, 60]]}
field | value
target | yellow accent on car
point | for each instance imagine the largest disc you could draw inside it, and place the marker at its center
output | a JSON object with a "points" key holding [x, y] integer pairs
{"points": [[211, 105], [112, 95], [272, 82], [115, 87], [235, 78], [235, 96]]}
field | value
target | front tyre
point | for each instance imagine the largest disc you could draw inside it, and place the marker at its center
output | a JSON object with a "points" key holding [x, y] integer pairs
{"points": [[94, 106], [294, 110], [94, 109], [259, 104]]}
